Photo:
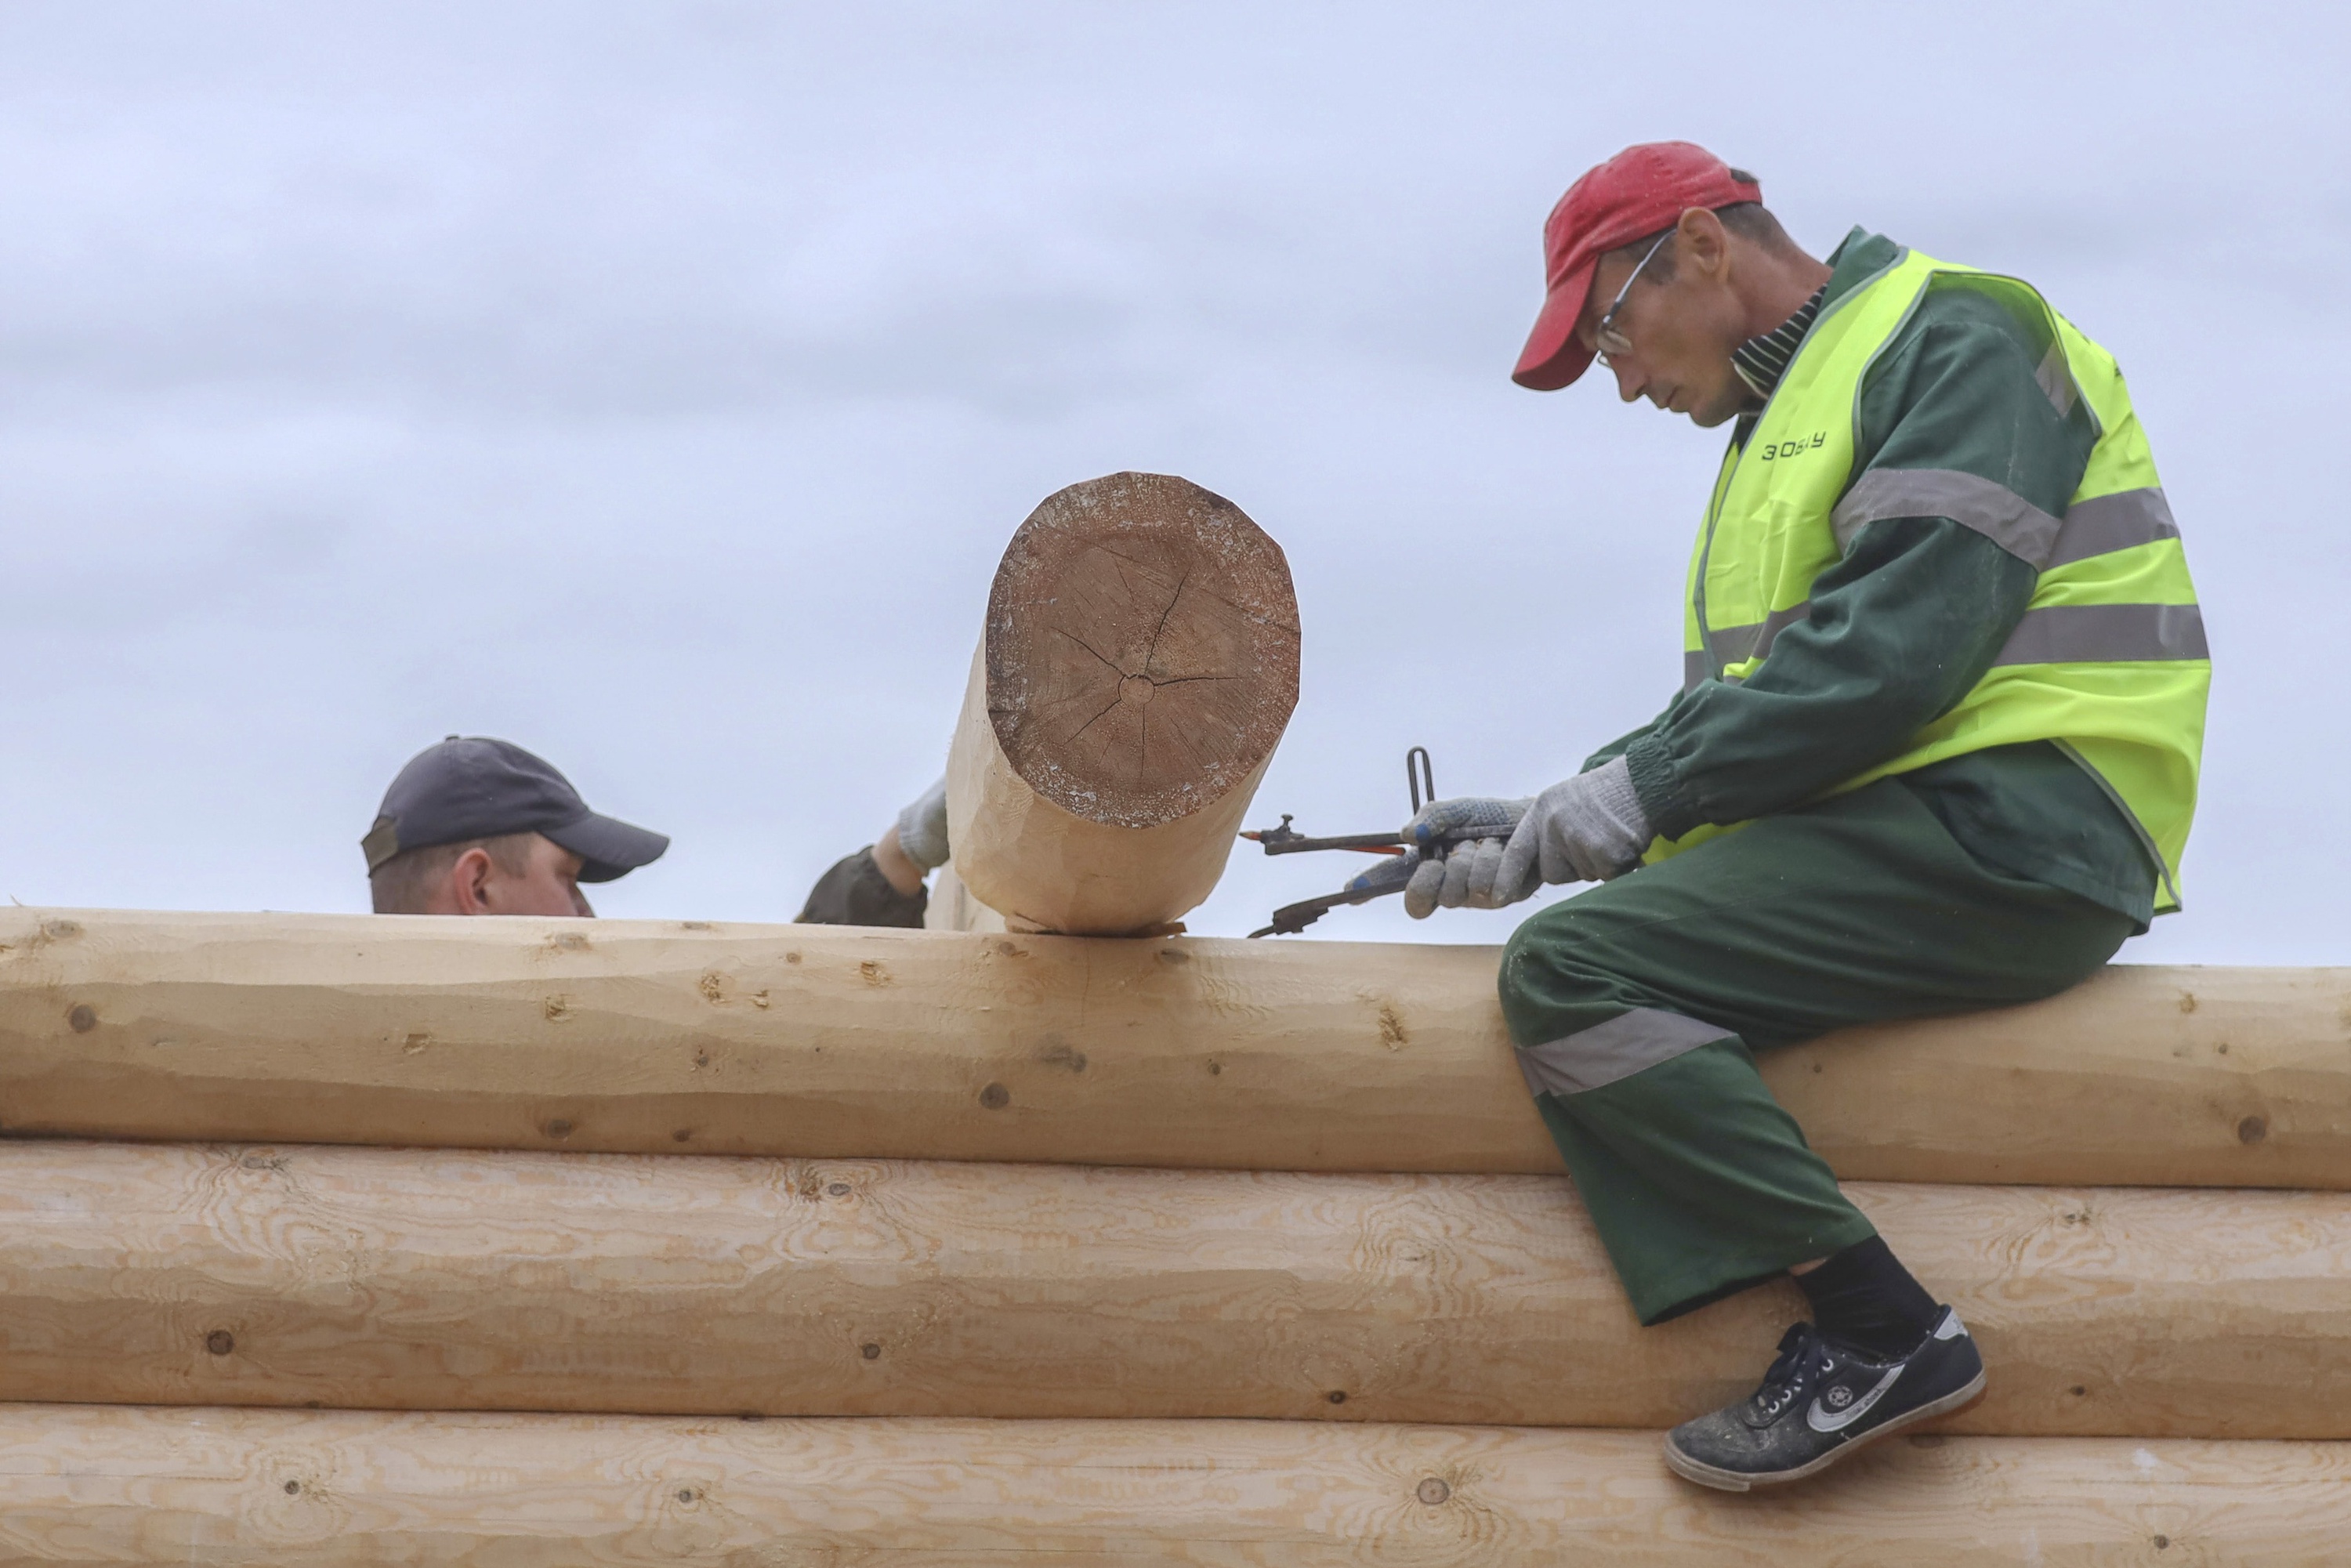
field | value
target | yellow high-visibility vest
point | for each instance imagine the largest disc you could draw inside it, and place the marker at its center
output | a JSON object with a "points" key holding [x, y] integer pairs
{"points": [[2109, 660]]}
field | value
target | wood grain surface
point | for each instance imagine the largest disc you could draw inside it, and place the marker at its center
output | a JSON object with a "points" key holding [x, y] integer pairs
{"points": [[92, 1486], [815, 1041], [1140, 655], [1139, 665], [424, 1280], [1039, 868]]}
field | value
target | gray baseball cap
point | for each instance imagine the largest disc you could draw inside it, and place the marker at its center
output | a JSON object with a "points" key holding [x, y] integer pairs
{"points": [[471, 787]]}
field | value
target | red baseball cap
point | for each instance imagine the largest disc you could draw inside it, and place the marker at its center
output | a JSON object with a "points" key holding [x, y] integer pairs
{"points": [[1639, 191]]}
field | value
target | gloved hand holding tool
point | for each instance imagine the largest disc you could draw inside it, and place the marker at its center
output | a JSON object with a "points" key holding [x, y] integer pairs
{"points": [[1478, 852], [1589, 828], [1467, 876]]}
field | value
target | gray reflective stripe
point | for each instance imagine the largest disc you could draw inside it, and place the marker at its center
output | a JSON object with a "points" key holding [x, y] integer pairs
{"points": [[2106, 634], [2056, 378], [1992, 509], [2104, 524], [1777, 621], [2146, 839], [1596, 1056], [1733, 644]]}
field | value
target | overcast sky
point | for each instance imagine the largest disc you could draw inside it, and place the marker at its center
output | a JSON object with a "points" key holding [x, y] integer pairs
{"points": [[656, 386]]}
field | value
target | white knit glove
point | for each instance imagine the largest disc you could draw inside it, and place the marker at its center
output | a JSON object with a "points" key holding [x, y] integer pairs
{"points": [[923, 828], [1589, 828], [1466, 873]]}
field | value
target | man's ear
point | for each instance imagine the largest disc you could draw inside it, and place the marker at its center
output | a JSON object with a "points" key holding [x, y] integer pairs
{"points": [[1702, 242], [469, 880]]}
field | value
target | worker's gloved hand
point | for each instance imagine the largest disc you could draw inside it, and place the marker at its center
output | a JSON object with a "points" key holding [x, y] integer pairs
{"points": [[923, 828], [1392, 874], [1588, 829], [1469, 872]]}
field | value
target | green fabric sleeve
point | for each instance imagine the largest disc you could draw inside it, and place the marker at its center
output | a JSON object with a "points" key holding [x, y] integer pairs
{"points": [[1900, 628], [1913, 615], [1617, 747], [854, 892]]}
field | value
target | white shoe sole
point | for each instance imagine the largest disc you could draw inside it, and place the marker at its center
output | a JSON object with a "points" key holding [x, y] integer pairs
{"points": [[1714, 1476]]}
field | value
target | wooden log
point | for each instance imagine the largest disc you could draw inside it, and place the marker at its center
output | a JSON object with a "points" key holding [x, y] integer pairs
{"points": [[409, 1280], [953, 908], [128, 1486], [1140, 663], [814, 1041]]}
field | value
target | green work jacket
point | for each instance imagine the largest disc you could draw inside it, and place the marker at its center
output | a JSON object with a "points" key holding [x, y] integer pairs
{"points": [[2058, 620]]}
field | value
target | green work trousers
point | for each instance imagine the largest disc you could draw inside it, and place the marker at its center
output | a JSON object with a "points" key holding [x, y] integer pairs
{"points": [[1638, 1007]]}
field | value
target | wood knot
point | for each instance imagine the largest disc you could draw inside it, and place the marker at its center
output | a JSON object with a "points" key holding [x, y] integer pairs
{"points": [[996, 1097], [1432, 1492], [870, 1352], [713, 985], [1338, 1396], [1137, 689], [791, 957], [293, 1486], [1174, 956], [220, 1342], [873, 974], [2078, 1390], [685, 1494], [682, 1135], [558, 1128], [83, 1019], [568, 942], [2162, 1541], [2252, 1130], [837, 1190], [58, 930]]}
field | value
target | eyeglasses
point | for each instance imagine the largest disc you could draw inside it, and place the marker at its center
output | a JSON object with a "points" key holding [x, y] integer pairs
{"points": [[1610, 342]]}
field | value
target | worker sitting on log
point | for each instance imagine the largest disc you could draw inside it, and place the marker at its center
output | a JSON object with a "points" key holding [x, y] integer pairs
{"points": [[1936, 749], [475, 826], [882, 884]]}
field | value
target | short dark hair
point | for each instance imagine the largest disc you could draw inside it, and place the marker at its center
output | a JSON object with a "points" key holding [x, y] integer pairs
{"points": [[402, 884], [1748, 220]]}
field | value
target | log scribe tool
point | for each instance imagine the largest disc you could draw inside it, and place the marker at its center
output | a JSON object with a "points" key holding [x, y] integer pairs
{"points": [[1292, 918]]}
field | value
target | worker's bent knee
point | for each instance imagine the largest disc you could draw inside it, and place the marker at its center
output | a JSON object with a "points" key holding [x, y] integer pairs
{"points": [[1579, 1022], [1553, 975]]}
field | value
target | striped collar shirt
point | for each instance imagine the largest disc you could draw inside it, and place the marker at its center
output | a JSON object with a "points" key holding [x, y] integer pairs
{"points": [[1760, 362]]}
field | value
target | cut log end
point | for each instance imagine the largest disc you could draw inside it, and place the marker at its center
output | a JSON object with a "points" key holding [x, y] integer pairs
{"points": [[1142, 651]]}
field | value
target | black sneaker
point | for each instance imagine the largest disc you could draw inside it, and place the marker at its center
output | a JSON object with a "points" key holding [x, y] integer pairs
{"points": [[1820, 1402]]}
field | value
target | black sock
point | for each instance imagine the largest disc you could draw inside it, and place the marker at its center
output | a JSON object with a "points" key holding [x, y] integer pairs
{"points": [[1865, 1297]]}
